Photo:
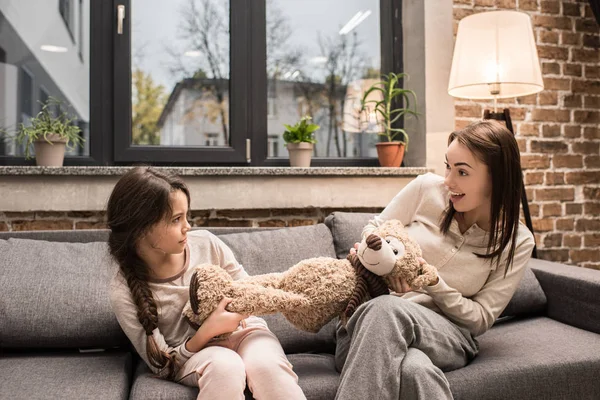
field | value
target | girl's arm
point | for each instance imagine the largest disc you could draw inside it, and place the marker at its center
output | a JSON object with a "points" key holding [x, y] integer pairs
{"points": [[402, 207], [479, 312]]}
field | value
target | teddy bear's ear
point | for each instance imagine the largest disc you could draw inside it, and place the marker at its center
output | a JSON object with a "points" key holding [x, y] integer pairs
{"points": [[194, 293]]}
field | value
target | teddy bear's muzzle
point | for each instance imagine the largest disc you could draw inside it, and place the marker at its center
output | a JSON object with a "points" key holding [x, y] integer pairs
{"points": [[373, 242]]}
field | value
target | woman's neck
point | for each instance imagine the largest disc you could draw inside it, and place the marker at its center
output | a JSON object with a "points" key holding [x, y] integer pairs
{"points": [[468, 219]]}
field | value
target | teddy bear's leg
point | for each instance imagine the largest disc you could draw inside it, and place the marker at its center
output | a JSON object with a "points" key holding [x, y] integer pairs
{"points": [[257, 300], [427, 277]]}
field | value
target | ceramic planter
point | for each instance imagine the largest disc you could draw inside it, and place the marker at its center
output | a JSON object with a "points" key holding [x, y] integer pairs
{"points": [[300, 154], [390, 154], [50, 155]]}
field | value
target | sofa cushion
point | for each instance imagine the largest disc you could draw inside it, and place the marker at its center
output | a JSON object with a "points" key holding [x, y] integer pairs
{"points": [[535, 359], [65, 376], [55, 294], [347, 229], [278, 250], [316, 376]]}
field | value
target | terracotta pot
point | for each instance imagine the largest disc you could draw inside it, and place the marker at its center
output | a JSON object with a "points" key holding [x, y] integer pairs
{"points": [[390, 154], [50, 155], [300, 154]]}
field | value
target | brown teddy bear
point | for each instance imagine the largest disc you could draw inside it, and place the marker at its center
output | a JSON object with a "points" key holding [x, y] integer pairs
{"points": [[316, 290]]}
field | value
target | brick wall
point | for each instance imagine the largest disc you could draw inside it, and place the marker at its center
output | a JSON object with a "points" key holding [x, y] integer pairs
{"points": [[201, 218], [557, 129]]}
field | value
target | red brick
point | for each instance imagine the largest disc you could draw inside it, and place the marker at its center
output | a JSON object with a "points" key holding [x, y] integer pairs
{"points": [[586, 147], [588, 13], [572, 131], [545, 115], [507, 4], [525, 129], [244, 213], [591, 208], [572, 70], [553, 240], [553, 52], [591, 265], [550, 131], [522, 143], [552, 210], [587, 225], [548, 146], [550, 7], [557, 194], [586, 25], [591, 193], [42, 225], [591, 132], [591, 240], [461, 123], [592, 72], [573, 208], [585, 55], [592, 41], [571, 9], [565, 224], [460, 13], [554, 255], [555, 178], [549, 37], [593, 162], [557, 83], [91, 225], [567, 161], [272, 223], [484, 3], [469, 111], [86, 214], [543, 225], [224, 222], [3, 227], [571, 240], [572, 101], [583, 255], [549, 22], [517, 114], [469, 2], [301, 222], [582, 177], [530, 161], [534, 178], [547, 98], [591, 102], [531, 99], [529, 5], [587, 87], [570, 38], [550, 68]]}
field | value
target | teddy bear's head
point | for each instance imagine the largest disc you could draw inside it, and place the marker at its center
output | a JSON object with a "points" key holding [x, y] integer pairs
{"points": [[390, 252]]}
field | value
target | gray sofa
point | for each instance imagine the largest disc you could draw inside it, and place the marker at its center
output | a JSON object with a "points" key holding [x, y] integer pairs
{"points": [[59, 338]]}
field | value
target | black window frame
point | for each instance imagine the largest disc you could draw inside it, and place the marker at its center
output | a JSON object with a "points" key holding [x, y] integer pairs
{"points": [[110, 86], [69, 19]]}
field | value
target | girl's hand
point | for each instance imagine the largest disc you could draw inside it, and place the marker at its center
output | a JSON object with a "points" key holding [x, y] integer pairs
{"points": [[221, 321], [353, 250]]}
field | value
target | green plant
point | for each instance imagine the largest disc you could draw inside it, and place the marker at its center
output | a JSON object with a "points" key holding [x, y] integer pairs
{"points": [[382, 107], [301, 132], [45, 124]]}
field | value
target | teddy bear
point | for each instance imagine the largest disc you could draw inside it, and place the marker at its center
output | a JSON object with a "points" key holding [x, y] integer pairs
{"points": [[316, 290]]}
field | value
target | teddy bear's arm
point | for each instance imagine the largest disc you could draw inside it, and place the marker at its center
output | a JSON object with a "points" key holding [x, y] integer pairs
{"points": [[427, 276], [257, 300], [272, 280]]}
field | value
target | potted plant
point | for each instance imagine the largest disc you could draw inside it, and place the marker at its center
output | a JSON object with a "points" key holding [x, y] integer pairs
{"points": [[391, 151], [49, 135], [299, 140]]}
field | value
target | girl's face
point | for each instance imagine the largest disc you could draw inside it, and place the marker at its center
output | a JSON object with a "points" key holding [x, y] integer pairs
{"points": [[469, 182], [170, 235]]}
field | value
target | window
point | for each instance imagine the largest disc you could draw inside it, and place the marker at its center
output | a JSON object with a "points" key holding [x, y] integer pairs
{"points": [[65, 9], [81, 23]]}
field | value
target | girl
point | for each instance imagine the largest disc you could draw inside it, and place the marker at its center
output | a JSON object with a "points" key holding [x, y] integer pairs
{"points": [[396, 347], [150, 239]]}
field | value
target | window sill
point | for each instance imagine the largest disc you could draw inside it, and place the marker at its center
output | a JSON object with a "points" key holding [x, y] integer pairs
{"points": [[212, 188]]}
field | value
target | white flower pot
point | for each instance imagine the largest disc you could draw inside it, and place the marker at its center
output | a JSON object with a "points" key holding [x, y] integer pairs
{"points": [[300, 154]]}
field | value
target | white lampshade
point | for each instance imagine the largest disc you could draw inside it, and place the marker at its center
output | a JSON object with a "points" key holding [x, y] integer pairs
{"points": [[495, 52]]}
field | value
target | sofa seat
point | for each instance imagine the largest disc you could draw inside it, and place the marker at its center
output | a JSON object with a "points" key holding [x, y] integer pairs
{"points": [[65, 376], [535, 358], [316, 374]]}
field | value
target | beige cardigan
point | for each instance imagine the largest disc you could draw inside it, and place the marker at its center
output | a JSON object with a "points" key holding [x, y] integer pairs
{"points": [[471, 292]]}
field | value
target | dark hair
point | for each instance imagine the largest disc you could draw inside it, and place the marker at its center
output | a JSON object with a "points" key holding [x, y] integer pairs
{"points": [[495, 146], [139, 200]]}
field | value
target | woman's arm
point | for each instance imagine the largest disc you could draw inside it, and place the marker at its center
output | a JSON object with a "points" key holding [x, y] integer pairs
{"points": [[479, 312]]}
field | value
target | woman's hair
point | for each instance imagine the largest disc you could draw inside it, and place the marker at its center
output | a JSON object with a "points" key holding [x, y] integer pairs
{"points": [[139, 200], [495, 146]]}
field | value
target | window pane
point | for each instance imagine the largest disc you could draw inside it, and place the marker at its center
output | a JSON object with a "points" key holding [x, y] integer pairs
{"points": [[180, 72], [40, 59], [318, 53]]}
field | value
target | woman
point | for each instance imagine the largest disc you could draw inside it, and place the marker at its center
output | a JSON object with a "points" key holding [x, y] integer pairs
{"points": [[467, 224]]}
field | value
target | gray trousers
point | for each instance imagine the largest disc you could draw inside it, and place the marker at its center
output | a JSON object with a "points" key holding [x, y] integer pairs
{"points": [[392, 348]]}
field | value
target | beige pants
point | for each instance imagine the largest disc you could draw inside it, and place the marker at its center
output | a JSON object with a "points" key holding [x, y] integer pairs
{"points": [[251, 355]]}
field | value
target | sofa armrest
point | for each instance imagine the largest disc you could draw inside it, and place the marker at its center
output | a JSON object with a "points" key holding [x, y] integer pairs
{"points": [[572, 293]]}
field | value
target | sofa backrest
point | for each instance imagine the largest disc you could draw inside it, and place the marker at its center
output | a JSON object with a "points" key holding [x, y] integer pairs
{"points": [[55, 284], [347, 229]]}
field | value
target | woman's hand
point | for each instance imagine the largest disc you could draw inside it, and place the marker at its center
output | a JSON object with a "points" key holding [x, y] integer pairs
{"points": [[400, 286], [221, 321]]}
